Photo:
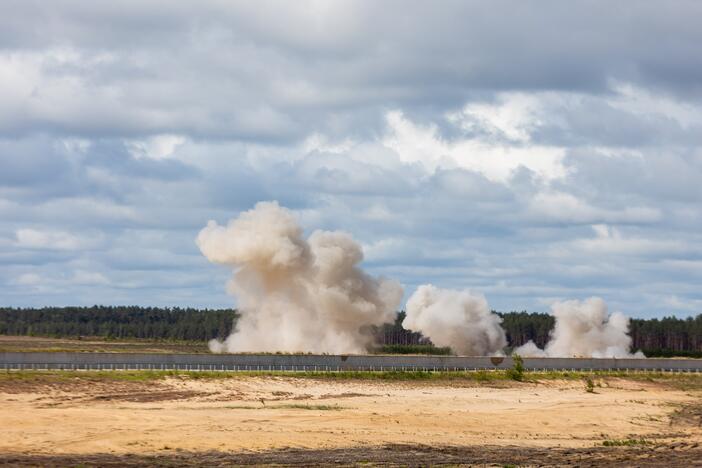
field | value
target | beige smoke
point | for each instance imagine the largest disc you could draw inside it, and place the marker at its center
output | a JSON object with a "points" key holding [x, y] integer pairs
{"points": [[296, 294], [585, 329], [459, 319]]}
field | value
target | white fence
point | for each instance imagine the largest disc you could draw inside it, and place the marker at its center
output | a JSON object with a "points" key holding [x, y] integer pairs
{"points": [[323, 363]]}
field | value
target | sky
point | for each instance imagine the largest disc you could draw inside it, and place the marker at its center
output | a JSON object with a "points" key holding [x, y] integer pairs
{"points": [[528, 151]]}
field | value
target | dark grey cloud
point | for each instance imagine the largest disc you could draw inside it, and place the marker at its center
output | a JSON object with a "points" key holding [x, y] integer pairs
{"points": [[277, 72]]}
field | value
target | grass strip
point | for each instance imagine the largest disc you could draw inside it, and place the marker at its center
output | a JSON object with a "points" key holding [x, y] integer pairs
{"points": [[680, 380]]}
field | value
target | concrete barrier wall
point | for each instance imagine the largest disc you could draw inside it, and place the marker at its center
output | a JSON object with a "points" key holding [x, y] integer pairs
{"points": [[323, 362]]}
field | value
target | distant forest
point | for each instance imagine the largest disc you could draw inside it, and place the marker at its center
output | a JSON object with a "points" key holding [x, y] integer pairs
{"points": [[669, 336]]}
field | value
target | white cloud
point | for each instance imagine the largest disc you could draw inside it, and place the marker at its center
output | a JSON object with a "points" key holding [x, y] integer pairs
{"points": [[644, 103], [674, 302], [321, 143], [497, 161], [513, 117], [567, 208], [55, 240], [83, 277], [609, 240], [387, 249], [29, 279], [155, 147]]}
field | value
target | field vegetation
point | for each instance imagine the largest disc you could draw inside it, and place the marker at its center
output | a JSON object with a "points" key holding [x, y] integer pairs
{"points": [[686, 382]]}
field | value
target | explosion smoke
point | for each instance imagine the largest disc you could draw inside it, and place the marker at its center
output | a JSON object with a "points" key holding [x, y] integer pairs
{"points": [[584, 329], [296, 294], [458, 319]]}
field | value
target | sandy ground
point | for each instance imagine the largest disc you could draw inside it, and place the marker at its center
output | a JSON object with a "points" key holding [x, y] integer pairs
{"points": [[280, 413]]}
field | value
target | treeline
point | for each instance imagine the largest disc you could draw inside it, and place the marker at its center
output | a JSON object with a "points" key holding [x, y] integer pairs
{"points": [[119, 322], [656, 337], [393, 334], [668, 336]]}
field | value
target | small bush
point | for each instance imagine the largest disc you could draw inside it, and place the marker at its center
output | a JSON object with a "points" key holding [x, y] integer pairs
{"points": [[589, 385], [517, 370]]}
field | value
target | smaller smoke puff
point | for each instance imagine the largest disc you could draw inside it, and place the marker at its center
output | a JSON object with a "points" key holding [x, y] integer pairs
{"points": [[584, 329], [459, 319], [529, 349]]}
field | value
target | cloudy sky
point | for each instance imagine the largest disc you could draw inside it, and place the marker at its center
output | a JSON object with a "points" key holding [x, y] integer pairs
{"points": [[528, 151]]}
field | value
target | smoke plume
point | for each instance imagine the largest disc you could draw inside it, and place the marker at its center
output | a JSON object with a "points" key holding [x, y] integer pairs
{"points": [[296, 294], [584, 329], [458, 319]]}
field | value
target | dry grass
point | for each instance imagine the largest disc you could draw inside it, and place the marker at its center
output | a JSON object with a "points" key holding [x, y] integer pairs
{"points": [[97, 345]]}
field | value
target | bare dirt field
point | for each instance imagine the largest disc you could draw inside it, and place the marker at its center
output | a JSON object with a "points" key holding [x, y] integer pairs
{"points": [[67, 419]]}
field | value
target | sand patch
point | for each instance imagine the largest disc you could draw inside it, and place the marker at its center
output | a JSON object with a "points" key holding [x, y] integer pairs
{"points": [[274, 413]]}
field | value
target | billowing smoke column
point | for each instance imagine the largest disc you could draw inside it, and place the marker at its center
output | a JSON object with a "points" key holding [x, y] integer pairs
{"points": [[459, 319], [296, 294], [584, 329]]}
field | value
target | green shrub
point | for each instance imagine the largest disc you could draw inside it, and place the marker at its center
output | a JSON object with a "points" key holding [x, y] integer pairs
{"points": [[589, 385], [517, 370]]}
